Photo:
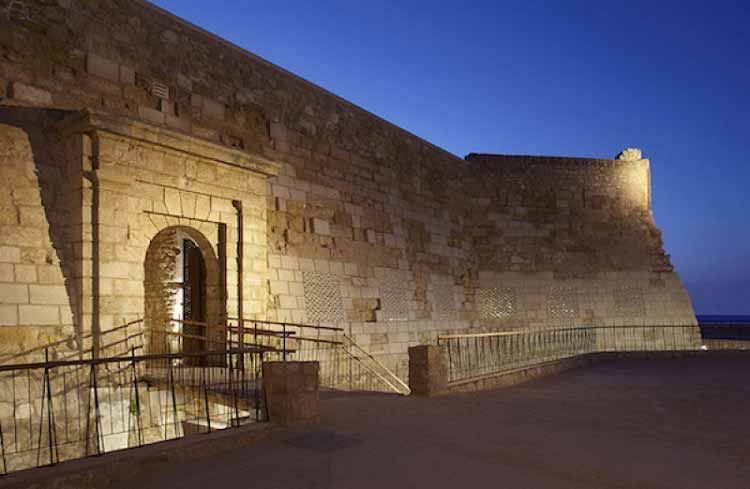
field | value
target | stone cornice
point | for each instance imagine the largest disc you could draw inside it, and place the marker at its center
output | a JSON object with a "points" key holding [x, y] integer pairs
{"points": [[88, 121]]}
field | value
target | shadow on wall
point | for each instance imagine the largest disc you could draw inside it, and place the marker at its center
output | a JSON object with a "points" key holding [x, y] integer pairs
{"points": [[59, 186]]}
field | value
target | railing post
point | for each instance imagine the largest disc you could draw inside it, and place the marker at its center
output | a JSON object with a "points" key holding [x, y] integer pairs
{"points": [[283, 340], [450, 360], [51, 428], [41, 419], [174, 403], [138, 427], [205, 401], [233, 393], [97, 421], [258, 385], [2, 449]]}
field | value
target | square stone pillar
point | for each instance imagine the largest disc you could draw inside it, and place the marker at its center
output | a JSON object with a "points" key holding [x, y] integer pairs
{"points": [[291, 390], [428, 371]]}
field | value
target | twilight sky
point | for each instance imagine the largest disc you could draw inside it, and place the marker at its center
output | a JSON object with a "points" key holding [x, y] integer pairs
{"points": [[583, 78]]}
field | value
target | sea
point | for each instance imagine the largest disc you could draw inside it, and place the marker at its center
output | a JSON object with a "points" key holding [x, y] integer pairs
{"points": [[723, 319], [724, 327]]}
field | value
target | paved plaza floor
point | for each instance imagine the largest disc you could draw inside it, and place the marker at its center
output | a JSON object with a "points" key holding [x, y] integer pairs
{"points": [[677, 423]]}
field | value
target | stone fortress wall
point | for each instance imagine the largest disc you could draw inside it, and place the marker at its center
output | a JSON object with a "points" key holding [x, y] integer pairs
{"points": [[346, 219]]}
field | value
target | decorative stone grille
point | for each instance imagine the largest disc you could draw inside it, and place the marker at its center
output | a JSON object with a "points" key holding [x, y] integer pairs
{"points": [[395, 296], [629, 301], [496, 302], [562, 302], [323, 302], [444, 302]]}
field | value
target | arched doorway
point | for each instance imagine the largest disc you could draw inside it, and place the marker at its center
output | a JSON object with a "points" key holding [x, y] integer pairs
{"points": [[184, 304]]}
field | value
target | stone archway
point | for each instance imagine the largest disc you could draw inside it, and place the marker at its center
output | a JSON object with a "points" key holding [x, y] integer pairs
{"points": [[184, 300]]}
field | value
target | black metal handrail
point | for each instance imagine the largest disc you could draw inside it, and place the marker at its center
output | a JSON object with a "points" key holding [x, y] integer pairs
{"points": [[59, 410], [287, 323], [138, 358], [471, 355]]}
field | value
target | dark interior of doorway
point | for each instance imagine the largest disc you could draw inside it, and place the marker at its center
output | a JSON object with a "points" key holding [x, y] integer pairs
{"points": [[194, 298]]}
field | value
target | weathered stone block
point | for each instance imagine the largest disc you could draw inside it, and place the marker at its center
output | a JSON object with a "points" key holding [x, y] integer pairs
{"points": [[287, 302], [48, 294], [279, 287], [291, 390], [184, 82], [210, 108], [428, 371], [319, 226], [21, 236], [9, 254], [181, 123], [103, 67], [38, 315], [14, 294], [8, 214], [25, 274], [151, 115], [127, 75], [6, 272], [8, 315], [33, 95]]}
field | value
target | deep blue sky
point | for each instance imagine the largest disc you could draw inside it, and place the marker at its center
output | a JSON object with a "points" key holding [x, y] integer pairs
{"points": [[550, 78]]}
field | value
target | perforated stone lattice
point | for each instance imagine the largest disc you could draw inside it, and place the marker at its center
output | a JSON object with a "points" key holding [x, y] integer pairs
{"points": [[496, 302], [394, 297], [442, 295], [323, 302], [562, 302], [629, 301]]}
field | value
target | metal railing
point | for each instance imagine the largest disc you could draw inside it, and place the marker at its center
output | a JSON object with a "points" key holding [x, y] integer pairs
{"points": [[141, 383], [367, 373], [474, 355], [344, 364], [60, 410]]}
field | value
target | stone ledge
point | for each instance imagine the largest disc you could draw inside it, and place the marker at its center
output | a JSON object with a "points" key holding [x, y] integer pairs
{"points": [[101, 471], [148, 134]]}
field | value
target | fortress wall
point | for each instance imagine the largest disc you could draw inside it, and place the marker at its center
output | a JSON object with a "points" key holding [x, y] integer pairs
{"points": [[367, 225], [571, 241]]}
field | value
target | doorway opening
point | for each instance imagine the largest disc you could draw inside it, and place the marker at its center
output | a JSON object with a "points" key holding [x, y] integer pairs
{"points": [[184, 306]]}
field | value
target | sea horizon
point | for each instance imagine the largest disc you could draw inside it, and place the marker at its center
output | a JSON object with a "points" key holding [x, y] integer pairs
{"points": [[723, 318]]}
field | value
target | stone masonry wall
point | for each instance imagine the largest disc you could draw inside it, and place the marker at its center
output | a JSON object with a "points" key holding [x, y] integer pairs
{"points": [[365, 225], [37, 285], [564, 241]]}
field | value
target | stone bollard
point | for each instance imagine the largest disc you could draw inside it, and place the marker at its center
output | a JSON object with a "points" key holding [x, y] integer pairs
{"points": [[291, 390], [428, 371]]}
